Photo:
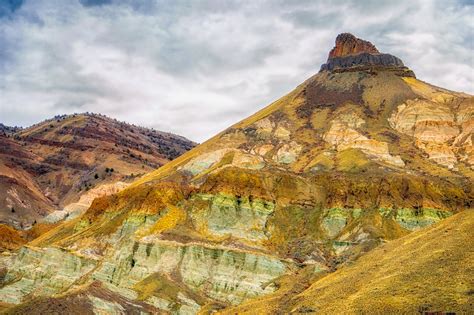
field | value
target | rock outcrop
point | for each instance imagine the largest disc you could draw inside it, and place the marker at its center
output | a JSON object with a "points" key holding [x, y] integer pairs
{"points": [[352, 53], [75, 209], [348, 45], [441, 124]]}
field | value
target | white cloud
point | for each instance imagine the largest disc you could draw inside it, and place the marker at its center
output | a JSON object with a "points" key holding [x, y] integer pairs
{"points": [[194, 68]]}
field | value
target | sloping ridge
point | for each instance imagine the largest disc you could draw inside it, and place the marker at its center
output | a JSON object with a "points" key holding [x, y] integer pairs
{"points": [[431, 270], [49, 165]]}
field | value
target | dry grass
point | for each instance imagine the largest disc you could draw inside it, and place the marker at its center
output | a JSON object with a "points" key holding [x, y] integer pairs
{"points": [[428, 270], [10, 238]]}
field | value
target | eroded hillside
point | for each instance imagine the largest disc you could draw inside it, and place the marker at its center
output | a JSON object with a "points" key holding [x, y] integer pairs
{"points": [[47, 167], [349, 160]]}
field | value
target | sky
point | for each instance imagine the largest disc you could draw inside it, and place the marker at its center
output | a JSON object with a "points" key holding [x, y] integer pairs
{"points": [[196, 67]]}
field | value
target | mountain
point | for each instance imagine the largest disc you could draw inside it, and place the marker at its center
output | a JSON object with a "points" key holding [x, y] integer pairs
{"points": [[359, 155], [47, 167]]}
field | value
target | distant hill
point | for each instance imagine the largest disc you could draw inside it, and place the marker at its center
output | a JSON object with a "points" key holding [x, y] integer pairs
{"points": [[51, 164]]}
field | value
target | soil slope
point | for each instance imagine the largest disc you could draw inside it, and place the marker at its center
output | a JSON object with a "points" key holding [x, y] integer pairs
{"points": [[49, 165]]}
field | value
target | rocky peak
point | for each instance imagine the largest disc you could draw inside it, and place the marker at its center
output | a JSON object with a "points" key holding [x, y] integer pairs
{"points": [[354, 54], [348, 45]]}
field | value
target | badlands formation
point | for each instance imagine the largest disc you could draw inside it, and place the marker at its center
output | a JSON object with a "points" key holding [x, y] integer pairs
{"points": [[54, 169], [353, 193]]}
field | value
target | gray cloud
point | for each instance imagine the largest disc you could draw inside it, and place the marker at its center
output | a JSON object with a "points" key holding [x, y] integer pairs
{"points": [[94, 2], [195, 67]]}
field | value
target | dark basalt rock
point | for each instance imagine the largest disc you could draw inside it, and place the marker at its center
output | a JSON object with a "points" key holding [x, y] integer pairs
{"points": [[365, 59]]}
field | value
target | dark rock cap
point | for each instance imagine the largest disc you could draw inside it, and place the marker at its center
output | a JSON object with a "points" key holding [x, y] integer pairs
{"points": [[354, 54]]}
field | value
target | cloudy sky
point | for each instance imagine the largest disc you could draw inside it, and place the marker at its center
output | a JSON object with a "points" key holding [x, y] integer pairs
{"points": [[195, 67]]}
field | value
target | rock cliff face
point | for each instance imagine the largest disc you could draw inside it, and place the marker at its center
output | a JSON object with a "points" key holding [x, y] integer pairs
{"points": [[346, 162], [347, 45]]}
